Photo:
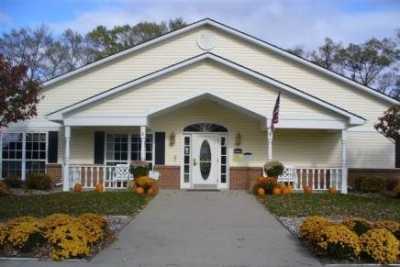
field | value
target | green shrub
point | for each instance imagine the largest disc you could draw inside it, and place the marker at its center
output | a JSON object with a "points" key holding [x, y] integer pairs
{"points": [[273, 168], [13, 181], [39, 182], [370, 184]]}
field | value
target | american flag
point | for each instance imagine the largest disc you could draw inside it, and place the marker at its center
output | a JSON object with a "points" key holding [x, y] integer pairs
{"points": [[275, 113]]}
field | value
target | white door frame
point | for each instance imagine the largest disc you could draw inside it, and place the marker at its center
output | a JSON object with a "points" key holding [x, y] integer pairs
{"points": [[189, 185]]}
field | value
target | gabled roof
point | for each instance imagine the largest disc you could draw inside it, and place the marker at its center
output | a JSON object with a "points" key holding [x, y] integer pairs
{"points": [[232, 31], [353, 118]]}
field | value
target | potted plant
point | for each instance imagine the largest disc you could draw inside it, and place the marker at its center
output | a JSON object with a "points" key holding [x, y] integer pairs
{"points": [[273, 168]]}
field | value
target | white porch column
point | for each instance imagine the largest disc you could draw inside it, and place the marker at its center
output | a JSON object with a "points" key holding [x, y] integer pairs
{"points": [[270, 141], [143, 143], [344, 160], [67, 143], [23, 162]]}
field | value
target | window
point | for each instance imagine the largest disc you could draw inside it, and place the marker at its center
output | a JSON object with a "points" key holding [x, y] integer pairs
{"points": [[187, 154], [35, 153], [12, 153], [223, 159], [120, 149], [136, 147], [117, 149], [205, 127]]}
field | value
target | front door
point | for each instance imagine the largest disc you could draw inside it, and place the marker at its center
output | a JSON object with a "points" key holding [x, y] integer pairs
{"points": [[205, 161]]}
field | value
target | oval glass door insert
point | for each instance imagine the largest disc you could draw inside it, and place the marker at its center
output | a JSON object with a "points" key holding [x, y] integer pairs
{"points": [[205, 159]]}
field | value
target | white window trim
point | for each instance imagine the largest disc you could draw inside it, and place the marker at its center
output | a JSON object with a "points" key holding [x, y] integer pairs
{"points": [[23, 159]]}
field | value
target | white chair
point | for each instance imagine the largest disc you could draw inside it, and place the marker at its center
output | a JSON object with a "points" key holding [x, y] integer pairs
{"points": [[121, 173], [289, 176], [154, 174]]}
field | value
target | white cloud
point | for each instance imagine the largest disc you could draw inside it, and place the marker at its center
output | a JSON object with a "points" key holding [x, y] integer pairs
{"points": [[285, 23]]}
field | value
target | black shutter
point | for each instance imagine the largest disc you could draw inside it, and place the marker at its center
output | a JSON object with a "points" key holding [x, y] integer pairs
{"points": [[52, 147], [397, 153], [159, 148], [99, 138]]}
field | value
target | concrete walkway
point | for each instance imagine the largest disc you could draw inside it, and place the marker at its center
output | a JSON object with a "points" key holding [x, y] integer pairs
{"points": [[186, 229]]}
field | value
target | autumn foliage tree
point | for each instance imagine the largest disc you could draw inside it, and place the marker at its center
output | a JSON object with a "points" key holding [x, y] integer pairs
{"points": [[18, 93], [389, 126]]}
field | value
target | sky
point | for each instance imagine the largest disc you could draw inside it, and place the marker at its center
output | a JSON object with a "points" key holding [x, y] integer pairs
{"points": [[286, 23]]}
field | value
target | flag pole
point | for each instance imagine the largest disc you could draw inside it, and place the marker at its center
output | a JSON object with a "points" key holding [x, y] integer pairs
{"points": [[270, 137], [271, 128]]}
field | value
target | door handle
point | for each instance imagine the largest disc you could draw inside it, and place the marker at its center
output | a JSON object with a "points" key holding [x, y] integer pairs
{"points": [[194, 162]]}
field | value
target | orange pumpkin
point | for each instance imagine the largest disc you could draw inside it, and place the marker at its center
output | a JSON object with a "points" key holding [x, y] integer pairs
{"points": [[260, 192], [139, 190], [285, 190], [277, 190], [78, 187], [99, 188], [332, 190], [307, 189], [153, 190]]}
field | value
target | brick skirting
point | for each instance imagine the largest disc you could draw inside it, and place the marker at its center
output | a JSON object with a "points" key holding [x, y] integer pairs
{"points": [[241, 178], [169, 176], [392, 176]]}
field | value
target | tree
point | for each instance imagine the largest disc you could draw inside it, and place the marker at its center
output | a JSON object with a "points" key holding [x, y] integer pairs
{"points": [[298, 51], [28, 47], [327, 55], [365, 62], [389, 126], [18, 93]]}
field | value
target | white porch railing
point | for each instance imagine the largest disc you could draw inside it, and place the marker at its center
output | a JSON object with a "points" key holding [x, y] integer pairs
{"points": [[90, 175], [316, 178]]}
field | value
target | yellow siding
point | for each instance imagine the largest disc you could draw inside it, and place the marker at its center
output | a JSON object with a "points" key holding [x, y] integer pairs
{"points": [[200, 78]]}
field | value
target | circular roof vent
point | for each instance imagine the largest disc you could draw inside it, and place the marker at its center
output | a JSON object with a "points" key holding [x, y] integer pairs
{"points": [[206, 41]]}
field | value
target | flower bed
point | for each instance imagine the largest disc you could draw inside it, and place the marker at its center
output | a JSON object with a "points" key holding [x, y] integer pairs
{"points": [[352, 239], [58, 236]]}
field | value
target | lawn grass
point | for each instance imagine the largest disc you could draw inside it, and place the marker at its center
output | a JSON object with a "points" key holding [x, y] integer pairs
{"points": [[112, 203], [369, 207]]}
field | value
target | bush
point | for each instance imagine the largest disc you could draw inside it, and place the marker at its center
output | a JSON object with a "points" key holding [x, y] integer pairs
{"points": [[392, 226], [370, 184], [55, 220], [338, 241], [311, 227], [69, 240], [380, 245], [145, 182], [13, 181], [3, 234], [25, 233], [39, 182], [4, 190], [273, 168], [358, 225], [66, 236]]}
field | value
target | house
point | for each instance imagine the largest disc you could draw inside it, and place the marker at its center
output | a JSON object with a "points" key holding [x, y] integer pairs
{"points": [[197, 103]]}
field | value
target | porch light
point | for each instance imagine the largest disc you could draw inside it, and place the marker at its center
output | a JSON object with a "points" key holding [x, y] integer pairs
{"points": [[238, 139], [172, 139]]}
